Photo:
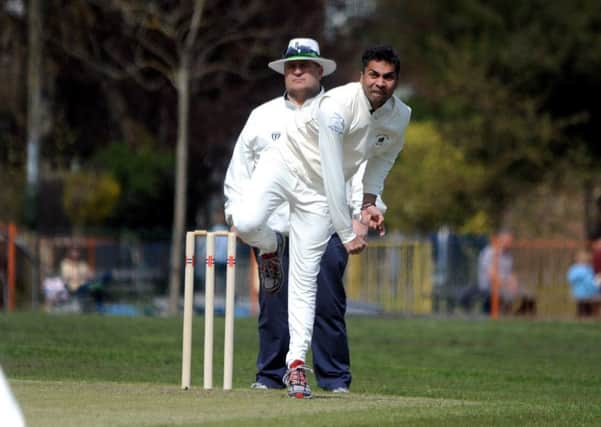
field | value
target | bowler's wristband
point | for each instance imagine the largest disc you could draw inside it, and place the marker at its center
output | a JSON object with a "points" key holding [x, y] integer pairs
{"points": [[367, 205]]}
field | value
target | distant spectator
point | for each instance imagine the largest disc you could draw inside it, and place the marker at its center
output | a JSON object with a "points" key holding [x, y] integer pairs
{"points": [[55, 291], [584, 284], [75, 272], [509, 290], [508, 285]]}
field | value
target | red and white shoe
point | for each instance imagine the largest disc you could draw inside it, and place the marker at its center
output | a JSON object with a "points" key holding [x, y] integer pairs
{"points": [[296, 380]]}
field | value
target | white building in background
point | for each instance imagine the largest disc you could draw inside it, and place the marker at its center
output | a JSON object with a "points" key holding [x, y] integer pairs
{"points": [[338, 13], [14, 7]]}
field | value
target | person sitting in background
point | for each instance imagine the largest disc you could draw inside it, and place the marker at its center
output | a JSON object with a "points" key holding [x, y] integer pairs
{"points": [[584, 284], [55, 291], [75, 272]]}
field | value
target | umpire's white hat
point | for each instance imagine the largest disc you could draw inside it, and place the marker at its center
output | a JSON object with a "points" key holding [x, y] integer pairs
{"points": [[302, 49]]}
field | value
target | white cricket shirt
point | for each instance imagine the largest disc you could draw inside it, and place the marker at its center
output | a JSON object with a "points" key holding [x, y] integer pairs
{"points": [[329, 142]]}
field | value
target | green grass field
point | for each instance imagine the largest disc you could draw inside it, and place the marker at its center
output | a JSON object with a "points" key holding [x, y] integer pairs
{"points": [[69, 370]]}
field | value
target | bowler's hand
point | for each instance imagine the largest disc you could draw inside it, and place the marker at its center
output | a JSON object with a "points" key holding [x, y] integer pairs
{"points": [[356, 245], [360, 229], [374, 218]]}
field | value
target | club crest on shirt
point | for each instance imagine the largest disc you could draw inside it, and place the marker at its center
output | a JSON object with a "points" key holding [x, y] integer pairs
{"points": [[276, 135], [382, 140], [336, 123]]}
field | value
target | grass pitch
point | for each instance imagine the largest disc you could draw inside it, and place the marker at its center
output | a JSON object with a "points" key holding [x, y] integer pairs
{"points": [[69, 370]]}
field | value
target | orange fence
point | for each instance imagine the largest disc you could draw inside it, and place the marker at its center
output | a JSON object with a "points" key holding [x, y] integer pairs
{"points": [[8, 257], [541, 267], [138, 269], [392, 276], [395, 276]]}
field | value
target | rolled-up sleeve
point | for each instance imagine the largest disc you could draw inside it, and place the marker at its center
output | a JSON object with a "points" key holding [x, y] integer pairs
{"points": [[379, 165]]}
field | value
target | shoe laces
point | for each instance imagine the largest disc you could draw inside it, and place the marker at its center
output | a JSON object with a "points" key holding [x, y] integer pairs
{"points": [[270, 263], [296, 375]]}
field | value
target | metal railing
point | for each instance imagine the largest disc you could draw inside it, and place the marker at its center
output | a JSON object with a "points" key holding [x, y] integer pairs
{"points": [[394, 276]]}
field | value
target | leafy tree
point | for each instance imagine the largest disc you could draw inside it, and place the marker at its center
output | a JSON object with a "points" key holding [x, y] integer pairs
{"points": [[510, 84], [179, 43], [11, 198], [89, 198], [432, 183], [145, 176]]}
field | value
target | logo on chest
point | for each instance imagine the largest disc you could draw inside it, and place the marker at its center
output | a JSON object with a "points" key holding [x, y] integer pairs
{"points": [[382, 140], [275, 136]]}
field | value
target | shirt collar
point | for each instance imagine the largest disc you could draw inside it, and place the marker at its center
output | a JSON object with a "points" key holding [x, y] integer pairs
{"points": [[294, 106], [384, 109], [364, 99]]}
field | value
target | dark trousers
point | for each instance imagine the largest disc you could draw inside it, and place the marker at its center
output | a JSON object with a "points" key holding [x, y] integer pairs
{"points": [[331, 360]]}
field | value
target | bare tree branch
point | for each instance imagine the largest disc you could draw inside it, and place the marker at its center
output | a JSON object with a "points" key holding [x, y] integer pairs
{"points": [[154, 48], [202, 59], [190, 39], [84, 57]]}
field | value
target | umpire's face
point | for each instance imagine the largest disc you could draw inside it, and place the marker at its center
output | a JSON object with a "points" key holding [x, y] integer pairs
{"points": [[379, 79], [302, 79]]}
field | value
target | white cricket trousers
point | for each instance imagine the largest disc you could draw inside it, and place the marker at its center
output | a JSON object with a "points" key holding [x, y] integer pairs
{"points": [[10, 412], [274, 181]]}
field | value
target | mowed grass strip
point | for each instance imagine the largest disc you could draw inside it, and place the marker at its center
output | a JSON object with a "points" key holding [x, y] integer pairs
{"points": [[120, 404], [415, 371]]}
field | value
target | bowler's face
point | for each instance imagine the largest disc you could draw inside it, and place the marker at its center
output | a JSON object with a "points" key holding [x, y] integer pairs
{"points": [[379, 81]]}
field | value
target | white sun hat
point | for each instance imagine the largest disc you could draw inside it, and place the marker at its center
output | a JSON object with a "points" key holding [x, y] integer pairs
{"points": [[302, 49]]}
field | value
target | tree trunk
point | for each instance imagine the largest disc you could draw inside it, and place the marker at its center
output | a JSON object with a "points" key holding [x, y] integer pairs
{"points": [[117, 112], [181, 176], [34, 132], [34, 110]]}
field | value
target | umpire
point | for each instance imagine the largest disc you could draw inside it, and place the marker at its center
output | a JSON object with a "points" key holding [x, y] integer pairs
{"points": [[303, 68]]}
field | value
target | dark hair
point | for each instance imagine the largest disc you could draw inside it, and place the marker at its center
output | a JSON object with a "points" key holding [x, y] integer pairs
{"points": [[382, 53]]}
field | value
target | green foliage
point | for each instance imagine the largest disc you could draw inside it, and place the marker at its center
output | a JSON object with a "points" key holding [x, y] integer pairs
{"points": [[145, 173], [89, 198], [512, 85], [431, 183], [502, 131], [11, 198]]}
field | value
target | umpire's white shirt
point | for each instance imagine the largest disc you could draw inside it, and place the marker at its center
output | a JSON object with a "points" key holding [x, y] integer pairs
{"points": [[265, 127], [329, 141]]}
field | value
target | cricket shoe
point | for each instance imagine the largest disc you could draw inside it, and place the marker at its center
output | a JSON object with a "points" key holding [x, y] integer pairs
{"points": [[270, 267], [296, 380], [259, 386]]}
